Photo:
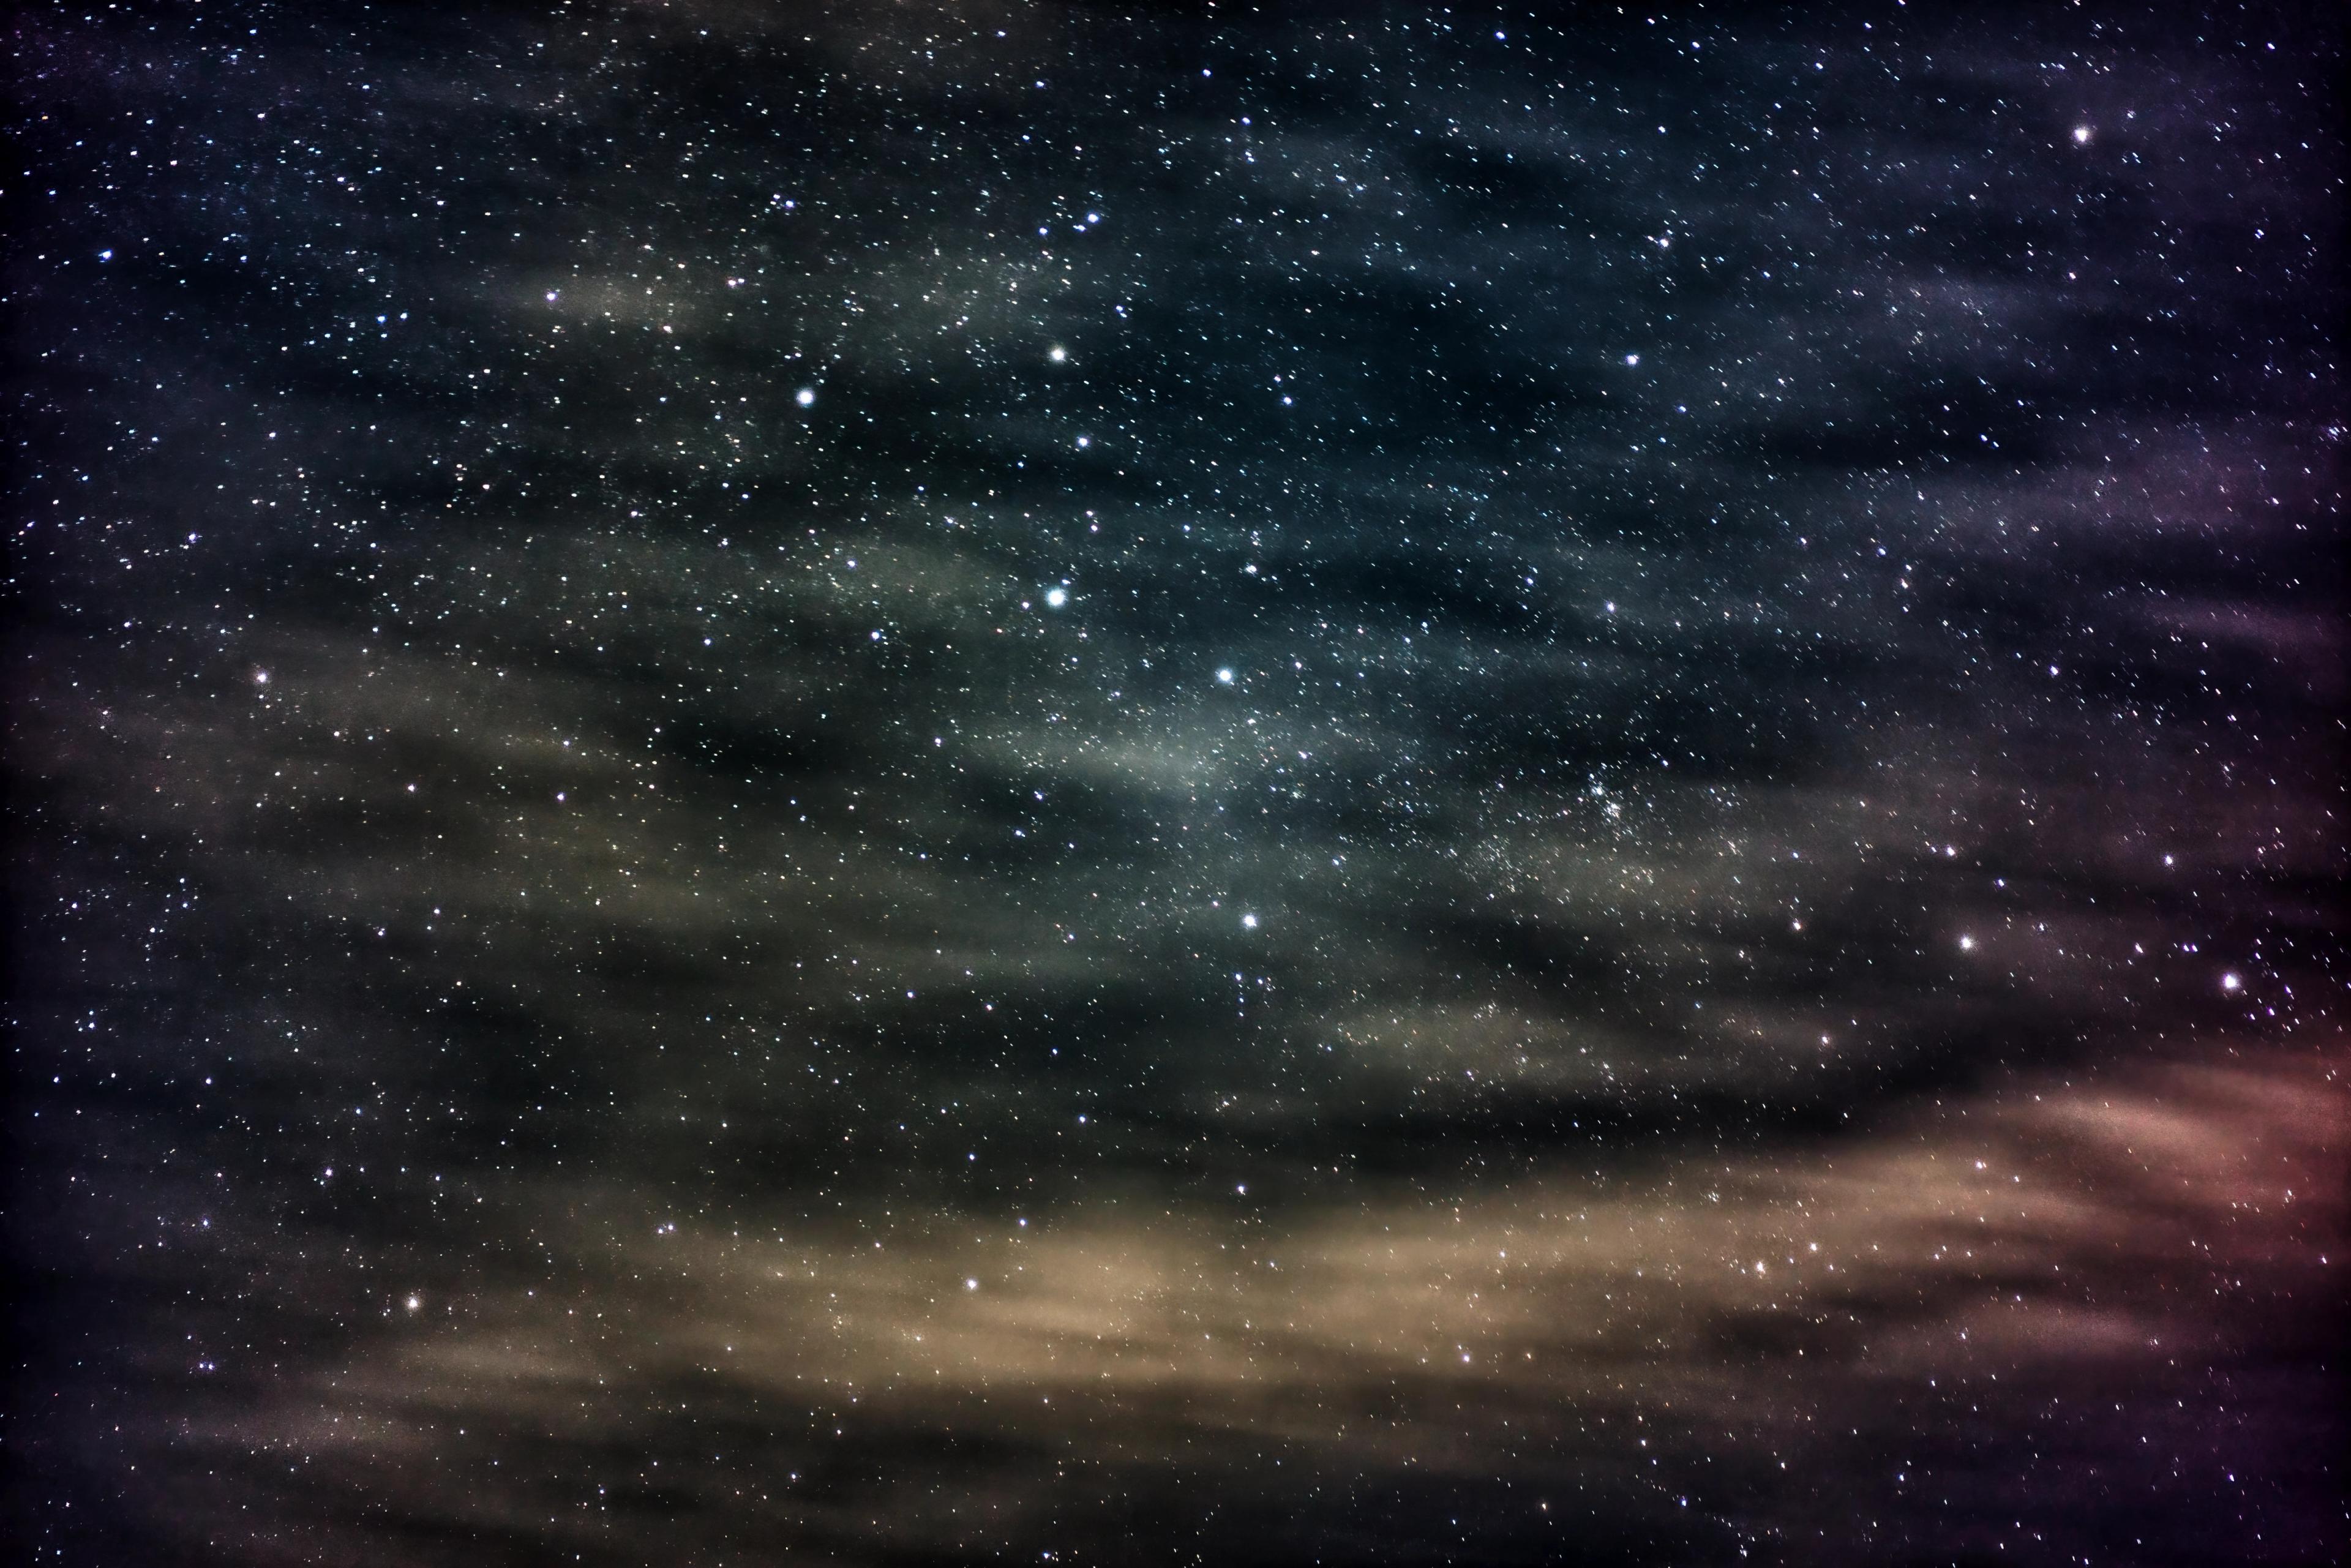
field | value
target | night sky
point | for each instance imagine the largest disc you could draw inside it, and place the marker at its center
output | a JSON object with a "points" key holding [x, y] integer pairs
{"points": [[915, 783]]}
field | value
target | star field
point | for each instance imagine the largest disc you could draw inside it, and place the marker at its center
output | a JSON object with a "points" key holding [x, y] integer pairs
{"points": [[1286, 784]]}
